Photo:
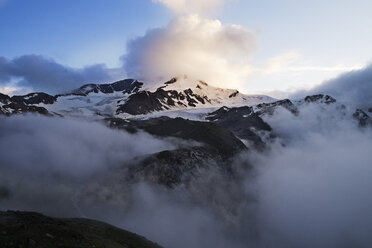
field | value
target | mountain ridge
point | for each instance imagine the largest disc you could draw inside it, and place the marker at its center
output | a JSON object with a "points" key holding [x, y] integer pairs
{"points": [[130, 97]]}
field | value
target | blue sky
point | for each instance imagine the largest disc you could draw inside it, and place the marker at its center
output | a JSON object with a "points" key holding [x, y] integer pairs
{"points": [[308, 41], [75, 32]]}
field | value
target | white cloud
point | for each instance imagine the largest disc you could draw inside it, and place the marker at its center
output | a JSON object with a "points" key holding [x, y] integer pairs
{"points": [[7, 90], [353, 88], [200, 48]]}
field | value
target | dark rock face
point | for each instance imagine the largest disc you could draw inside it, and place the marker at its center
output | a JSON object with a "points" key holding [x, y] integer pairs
{"points": [[16, 108], [4, 99], [320, 99], [217, 139], [234, 94], [215, 148], [27, 229], [269, 108], [363, 118], [19, 104], [370, 110], [145, 102], [127, 86], [171, 168], [242, 122], [34, 98]]}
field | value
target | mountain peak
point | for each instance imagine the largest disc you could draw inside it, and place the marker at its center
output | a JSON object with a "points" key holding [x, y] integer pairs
{"points": [[125, 86]]}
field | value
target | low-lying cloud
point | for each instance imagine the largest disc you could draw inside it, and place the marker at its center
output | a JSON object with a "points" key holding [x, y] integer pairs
{"points": [[310, 188], [354, 88], [45, 160], [314, 191], [42, 74]]}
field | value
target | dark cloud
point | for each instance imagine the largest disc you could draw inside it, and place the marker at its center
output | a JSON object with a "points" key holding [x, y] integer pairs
{"points": [[42, 74], [354, 88]]}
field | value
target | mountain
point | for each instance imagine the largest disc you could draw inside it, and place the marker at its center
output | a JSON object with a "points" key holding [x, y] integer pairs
{"points": [[211, 129], [28, 229], [127, 98], [184, 94]]}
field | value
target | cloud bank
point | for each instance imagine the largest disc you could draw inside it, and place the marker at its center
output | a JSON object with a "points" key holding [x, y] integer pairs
{"points": [[41, 74], [313, 191], [353, 88], [53, 157], [190, 45]]}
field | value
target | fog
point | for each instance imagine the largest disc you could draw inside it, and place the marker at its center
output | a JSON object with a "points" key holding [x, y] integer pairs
{"points": [[45, 160], [314, 191], [310, 188], [353, 87]]}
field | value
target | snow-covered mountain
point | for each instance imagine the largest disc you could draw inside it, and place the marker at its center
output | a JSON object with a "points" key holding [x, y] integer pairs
{"points": [[130, 97]]}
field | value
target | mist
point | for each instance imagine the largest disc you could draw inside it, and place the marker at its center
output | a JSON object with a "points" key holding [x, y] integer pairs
{"points": [[353, 88], [310, 188], [45, 160], [314, 191]]}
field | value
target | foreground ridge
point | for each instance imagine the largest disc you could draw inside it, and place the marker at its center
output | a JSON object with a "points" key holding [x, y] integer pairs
{"points": [[29, 229]]}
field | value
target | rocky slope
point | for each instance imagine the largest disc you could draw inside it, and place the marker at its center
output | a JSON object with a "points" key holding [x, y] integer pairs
{"points": [[27, 230]]}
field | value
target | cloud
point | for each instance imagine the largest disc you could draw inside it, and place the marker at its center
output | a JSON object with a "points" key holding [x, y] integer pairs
{"points": [[8, 90], [199, 48], [42, 74], [81, 148], [353, 88], [44, 161], [314, 191], [200, 7]]}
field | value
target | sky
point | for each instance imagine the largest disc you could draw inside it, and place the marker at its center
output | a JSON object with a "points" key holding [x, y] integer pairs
{"points": [[265, 46]]}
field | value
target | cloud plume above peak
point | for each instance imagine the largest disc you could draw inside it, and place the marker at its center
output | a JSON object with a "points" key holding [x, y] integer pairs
{"points": [[190, 45]]}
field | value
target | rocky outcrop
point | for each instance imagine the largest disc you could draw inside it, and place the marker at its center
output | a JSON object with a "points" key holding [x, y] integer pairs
{"points": [[34, 98], [363, 118], [270, 108], [320, 98], [146, 102], [243, 122], [126, 86], [17, 108], [208, 145], [216, 139]]}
